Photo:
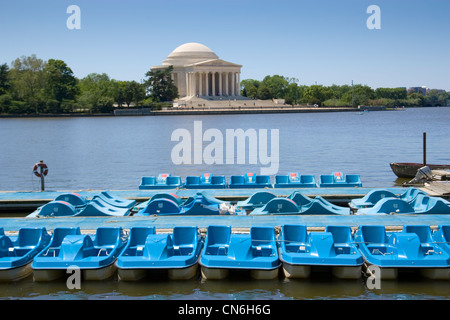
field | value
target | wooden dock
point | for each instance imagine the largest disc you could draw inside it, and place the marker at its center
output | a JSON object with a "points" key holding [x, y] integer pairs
{"points": [[26, 202]]}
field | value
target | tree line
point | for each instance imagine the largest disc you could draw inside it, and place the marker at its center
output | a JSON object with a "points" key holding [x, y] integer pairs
{"points": [[33, 86], [279, 87]]}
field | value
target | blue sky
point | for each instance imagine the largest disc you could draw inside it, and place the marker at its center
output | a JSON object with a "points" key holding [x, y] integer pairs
{"points": [[323, 41]]}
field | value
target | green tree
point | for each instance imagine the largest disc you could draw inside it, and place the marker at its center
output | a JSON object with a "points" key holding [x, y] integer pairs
{"points": [[97, 93], [61, 83], [28, 82], [250, 88], [4, 79], [316, 94], [161, 85]]}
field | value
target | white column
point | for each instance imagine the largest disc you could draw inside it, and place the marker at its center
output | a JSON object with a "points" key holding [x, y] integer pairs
{"points": [[238, 84], [187, 83], [200, 84], [207, 83], [226, 84], [233, 83], [213, 83], [220, 83]]}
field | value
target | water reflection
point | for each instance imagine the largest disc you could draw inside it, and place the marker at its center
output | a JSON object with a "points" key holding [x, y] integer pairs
{"points": [[236, 287]]}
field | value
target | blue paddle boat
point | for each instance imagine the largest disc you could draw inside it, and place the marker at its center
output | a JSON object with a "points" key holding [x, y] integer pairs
{"points": [[114, 200], [93, 254], [205, 181], [424, 204], [370, 199], [410, 249], [17, 252], [172, 196], [78, 201], [339, 180], [388, 206], [163, 181], [300, 251], [256, 200], [146, 250], [299, 198], [294, 180], [255, 252], [200, 204], [250, 180], [317, 206]]}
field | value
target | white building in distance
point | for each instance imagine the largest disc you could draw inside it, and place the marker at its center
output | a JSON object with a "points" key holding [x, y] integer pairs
{"points": [[198, 72]]}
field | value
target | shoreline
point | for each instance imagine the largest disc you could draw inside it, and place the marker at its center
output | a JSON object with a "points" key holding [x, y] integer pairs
{"points": [[199, 111]]}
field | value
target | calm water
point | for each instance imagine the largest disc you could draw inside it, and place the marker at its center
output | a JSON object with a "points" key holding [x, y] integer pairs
{"points": [[115, 152]]}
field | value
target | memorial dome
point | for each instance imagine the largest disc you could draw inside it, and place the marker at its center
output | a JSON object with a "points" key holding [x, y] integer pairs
{"points": [[189, 53]]}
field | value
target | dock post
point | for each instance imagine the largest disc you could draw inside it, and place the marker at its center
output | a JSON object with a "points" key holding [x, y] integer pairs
{"points": [[424, 149]]}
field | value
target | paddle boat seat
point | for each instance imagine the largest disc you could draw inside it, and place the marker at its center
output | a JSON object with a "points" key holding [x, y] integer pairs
{"points": [[338, 179], [294, 180], [300, 251], [163, 181], [205, 181], [250, 180], [177, 253]]}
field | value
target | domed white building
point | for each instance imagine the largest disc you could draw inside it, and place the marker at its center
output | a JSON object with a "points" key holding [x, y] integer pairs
{"points": [[198, 72]]}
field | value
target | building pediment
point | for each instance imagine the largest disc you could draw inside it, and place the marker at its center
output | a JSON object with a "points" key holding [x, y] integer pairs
{"points": [[214, 63]]}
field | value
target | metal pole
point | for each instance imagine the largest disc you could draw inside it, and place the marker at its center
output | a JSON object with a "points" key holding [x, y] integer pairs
{"points": [[424, 149], [42, 177]]}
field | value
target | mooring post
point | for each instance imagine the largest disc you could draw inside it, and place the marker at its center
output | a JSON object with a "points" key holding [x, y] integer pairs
{"points": [[41, 168], [424, 149]]}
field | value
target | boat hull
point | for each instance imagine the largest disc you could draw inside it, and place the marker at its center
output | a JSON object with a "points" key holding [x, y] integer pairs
{"points": [[45, 275], [409, 170], [172, 273], [15, 274], [222, 273], [304, 271]]}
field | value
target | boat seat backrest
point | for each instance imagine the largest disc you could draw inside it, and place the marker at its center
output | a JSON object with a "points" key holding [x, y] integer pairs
{"points": [[217, 180], [139, 234], [236, 180], [423, 232], [148, 181], [72, 198], [341, 234], [262, 237], [262, 179], [295, 233], [30, 237], [218, 235], [60, 233], [175, 181], [162, 178], [184, 236], [6, 246], [281, 179], [307, 178], [373, 234], [326, 178], [107, 236], [446, 233], [299, 198], [352, 178], [191, 180]]}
